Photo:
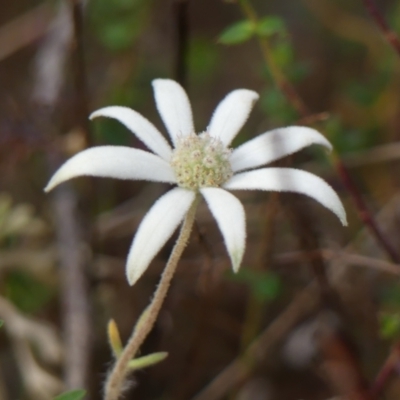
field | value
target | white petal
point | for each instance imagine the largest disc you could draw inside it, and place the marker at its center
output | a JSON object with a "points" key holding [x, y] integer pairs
{"points": [[272, 145], [114, 162], [174, 107], [156, 228], [231, 114], [290, 180], [229, 214], [140, 126]]}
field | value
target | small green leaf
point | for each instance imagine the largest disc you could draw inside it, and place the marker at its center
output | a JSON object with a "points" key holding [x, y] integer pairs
{"points": [[78, 394], [1, 323], [147, 361], [270, 25], [237, 33]]}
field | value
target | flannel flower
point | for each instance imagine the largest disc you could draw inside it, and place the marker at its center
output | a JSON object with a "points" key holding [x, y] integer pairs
{"points": [[202, 163]]}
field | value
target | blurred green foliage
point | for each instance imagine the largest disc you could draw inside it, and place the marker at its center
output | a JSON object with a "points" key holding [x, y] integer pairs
{"points": [[389, 318], [27, 293], [118, 23], [242, 31], [203, 60], [265, 285], [389, 325], [275, 106], [237, 33], [77, 394]]}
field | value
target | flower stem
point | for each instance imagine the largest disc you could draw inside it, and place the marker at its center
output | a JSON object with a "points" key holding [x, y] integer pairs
{"points": [[117, 375]]}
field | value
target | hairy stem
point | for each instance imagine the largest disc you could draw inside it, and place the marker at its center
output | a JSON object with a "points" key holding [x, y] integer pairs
{"points": [[117, 375]]}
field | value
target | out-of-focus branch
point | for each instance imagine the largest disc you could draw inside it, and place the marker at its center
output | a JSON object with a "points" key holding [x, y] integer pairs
{"points": [[75, 303], [296, 101], [345, 25], [25, 333], [81, 97], [51, 58], [37, 381], [239, 369], [301, 306], [181, 23], [42, 336], [383, 26], [347, 259], [390, 368], [24, 30], [50, 77], [363, 211]]}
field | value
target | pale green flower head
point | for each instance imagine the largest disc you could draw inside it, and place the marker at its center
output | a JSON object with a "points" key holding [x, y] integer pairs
{"points": [[199, 164], [201, 161]]}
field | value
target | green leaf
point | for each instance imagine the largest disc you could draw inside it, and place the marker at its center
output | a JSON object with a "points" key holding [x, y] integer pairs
{"points": [[1, 323], [237, 33], [270, 25], [78, 394], [147, 361], [390, 326]]}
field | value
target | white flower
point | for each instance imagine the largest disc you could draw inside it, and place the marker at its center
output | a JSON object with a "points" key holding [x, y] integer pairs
{"points": [[199, 163]]}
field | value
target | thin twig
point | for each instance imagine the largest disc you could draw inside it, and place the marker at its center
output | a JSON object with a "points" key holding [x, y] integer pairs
{"points": [[239, 369], [384, 27], [24, 30], [363, 211], [346, 258], [293, 98], [387, 371], [302, 304]]}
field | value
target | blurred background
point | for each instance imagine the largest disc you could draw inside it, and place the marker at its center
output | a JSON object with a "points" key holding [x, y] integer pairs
{"points": [[314, 312]]}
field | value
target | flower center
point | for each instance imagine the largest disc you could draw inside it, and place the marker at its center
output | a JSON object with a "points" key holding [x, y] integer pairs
{"points": [[201, 161]]}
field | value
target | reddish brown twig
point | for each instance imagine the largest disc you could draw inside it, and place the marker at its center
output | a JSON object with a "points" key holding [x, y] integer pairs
{"points": [[387, 371], [295, 100], [363, 211], [384, 27]]}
